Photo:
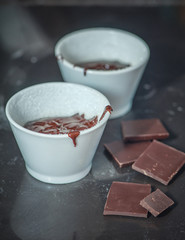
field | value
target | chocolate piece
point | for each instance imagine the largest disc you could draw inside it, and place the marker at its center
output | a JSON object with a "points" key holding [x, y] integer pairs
{"points": [[143, 129], [156, 202], [160, 161], [124, 199], [125, 154]]}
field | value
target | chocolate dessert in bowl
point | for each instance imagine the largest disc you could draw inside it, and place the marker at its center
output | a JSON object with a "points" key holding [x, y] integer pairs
{"points": [[58, 127], [109, 60]]}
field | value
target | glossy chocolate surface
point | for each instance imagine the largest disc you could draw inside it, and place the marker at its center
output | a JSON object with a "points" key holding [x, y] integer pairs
{"points": [[62, 125], [156, 202], [124, 199], [143, 129], [109, 109], [102, 65], [160, 161]]}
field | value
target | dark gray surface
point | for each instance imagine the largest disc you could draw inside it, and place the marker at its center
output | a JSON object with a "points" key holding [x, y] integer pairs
{"points": [[101, 2], [33, 210]]}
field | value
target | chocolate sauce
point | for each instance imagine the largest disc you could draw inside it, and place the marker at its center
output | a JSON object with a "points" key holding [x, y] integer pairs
{"points": [[109, 109], [102, 65], [62, 125], [65, 125], [59, 57], [73, 136]]}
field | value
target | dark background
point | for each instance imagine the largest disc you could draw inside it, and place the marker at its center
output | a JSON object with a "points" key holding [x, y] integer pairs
{"points": [[33, 210]]}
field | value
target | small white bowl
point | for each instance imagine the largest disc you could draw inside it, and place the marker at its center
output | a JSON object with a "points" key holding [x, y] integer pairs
{"points": [[87, 45], [53, 158]]}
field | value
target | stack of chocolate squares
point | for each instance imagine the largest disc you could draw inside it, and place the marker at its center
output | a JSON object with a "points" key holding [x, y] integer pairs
{"points": [[141, 148]]}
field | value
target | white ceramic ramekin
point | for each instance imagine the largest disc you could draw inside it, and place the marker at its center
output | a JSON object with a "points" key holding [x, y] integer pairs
{"points": [[119, 86], [53, 158]]}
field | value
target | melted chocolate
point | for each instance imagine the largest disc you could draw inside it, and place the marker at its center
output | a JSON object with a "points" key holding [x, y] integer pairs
{"points": [[73, 136], [102, 66], [62, 125], [109, 109], [59, 57]]}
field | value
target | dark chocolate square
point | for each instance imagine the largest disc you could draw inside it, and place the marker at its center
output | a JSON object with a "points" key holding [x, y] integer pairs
{"points": [[156, 202], [126, 153], [143, 129], [160, 161], [124, 199]]}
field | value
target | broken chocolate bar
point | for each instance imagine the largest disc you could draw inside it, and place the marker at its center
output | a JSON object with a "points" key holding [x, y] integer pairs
{"points": [[156, 202], [125, 154], [124, 199], [143, 129], [160, 162]]}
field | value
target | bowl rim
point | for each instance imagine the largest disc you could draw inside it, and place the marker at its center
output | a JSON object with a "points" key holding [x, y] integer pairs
{"points": [[54, 136], [69, 64]]}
